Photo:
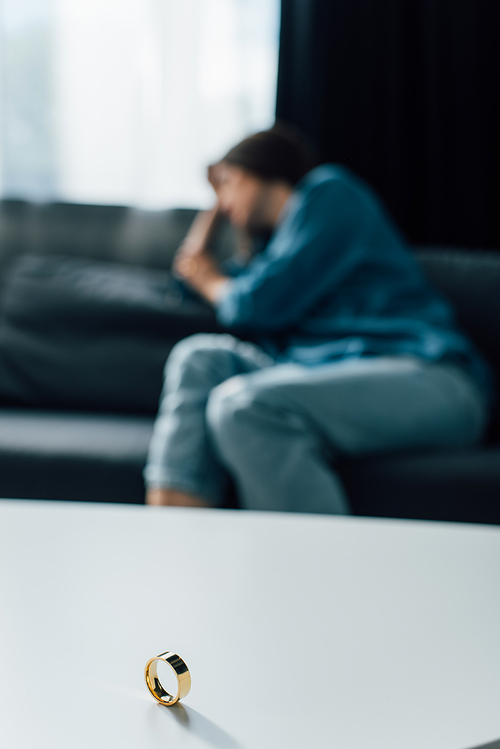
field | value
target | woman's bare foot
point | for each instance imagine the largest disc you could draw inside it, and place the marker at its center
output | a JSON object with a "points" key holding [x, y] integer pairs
{"points": [[173, 498]]}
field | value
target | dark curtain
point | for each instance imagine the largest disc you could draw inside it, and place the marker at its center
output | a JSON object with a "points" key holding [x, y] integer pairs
{"points": [[407, 94]]}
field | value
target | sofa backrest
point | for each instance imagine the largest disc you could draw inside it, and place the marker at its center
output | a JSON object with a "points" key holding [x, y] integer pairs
{"points": [[470, 279], [116, 233]]}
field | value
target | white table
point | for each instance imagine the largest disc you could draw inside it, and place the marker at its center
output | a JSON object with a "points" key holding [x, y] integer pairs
{"points": [[299, 631]]}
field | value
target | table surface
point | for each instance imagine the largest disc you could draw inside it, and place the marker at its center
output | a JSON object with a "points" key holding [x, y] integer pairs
{"points": [[299, 630]]}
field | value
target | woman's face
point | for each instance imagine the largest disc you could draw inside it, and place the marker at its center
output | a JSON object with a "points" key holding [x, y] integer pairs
{"points": [[242, 196]]}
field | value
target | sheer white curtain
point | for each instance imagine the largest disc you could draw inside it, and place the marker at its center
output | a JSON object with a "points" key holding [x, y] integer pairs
{"points": [[144, 94]]}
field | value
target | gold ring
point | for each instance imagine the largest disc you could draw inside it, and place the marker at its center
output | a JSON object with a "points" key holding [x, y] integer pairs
{"points": [[154, 684]]}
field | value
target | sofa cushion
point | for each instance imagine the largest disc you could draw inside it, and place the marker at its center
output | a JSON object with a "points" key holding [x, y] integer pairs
{"points": [[89, 457], [455, 484], [81, 334], [97, 457]]}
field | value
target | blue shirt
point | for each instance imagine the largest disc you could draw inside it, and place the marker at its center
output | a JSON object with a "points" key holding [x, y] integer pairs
{"points": [[337, 280]]}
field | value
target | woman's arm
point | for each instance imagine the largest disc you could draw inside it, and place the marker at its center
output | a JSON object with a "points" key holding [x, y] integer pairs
{"points": [[315, 248], [200, 232], [193, 261]]}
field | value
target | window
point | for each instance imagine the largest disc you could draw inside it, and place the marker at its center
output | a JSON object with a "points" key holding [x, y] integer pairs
{"points": [[127, 101]]}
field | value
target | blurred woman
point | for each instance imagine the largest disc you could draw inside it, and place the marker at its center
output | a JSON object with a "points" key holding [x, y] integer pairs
{"points": [[336, 344]]}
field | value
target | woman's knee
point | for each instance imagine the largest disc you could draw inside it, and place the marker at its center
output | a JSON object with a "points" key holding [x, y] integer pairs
{"points": [[235, 414], [223, 405], [197, 355], [192, 347]]}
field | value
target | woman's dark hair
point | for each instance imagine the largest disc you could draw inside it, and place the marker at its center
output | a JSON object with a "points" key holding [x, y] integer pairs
{"points": [[281, 153]]}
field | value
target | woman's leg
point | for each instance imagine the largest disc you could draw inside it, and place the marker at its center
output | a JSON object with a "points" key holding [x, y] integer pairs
{"points": [[278, 431], [181, 466]]}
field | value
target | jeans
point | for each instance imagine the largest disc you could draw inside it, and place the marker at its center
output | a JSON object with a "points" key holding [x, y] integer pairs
{"points": [[228, 409]]}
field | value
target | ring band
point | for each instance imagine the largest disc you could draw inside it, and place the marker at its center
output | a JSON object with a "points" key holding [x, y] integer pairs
{"points": [[154, 684]]}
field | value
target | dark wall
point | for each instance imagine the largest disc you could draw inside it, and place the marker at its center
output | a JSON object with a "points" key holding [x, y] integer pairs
{"points": [[406, 93]]}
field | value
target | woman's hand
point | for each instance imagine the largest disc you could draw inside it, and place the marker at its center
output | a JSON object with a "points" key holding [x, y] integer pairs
{"points": [[214, 174], [194, 263], [201, 231], [200, 270]]}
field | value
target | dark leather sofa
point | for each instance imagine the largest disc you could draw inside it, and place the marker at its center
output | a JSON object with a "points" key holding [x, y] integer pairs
{"points": [[88, 314]]}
